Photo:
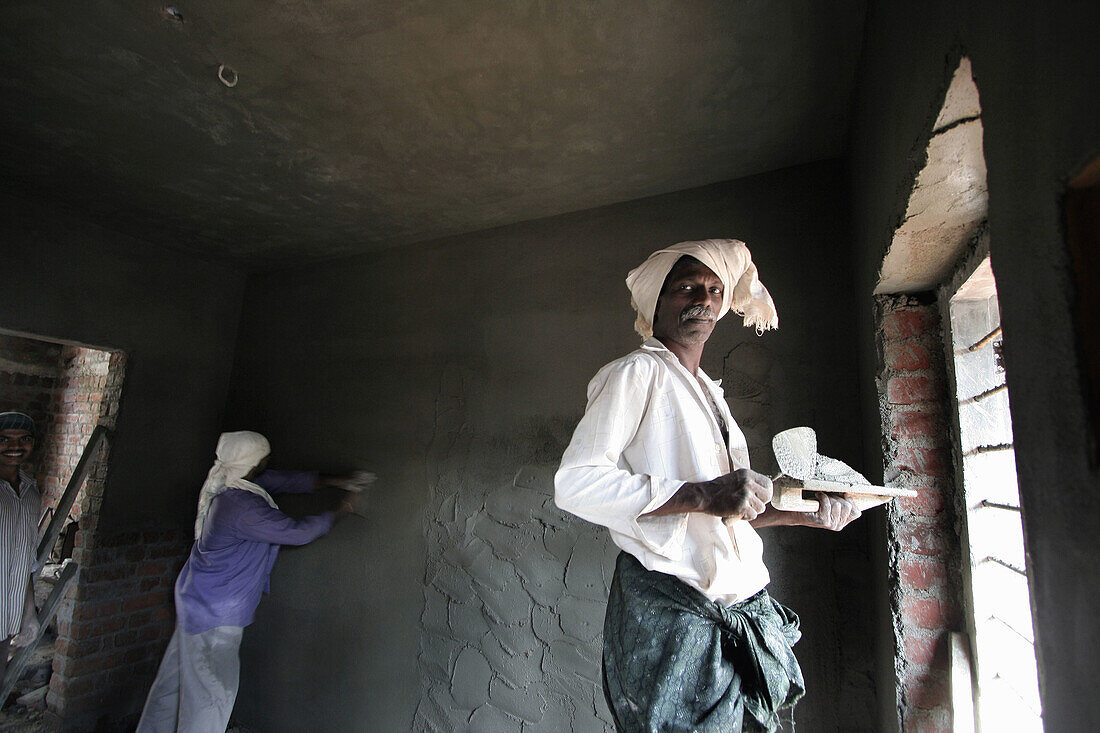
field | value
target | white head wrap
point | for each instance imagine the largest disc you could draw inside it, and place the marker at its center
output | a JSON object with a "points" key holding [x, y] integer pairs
{"points": [[237, 454], [729, 259]]}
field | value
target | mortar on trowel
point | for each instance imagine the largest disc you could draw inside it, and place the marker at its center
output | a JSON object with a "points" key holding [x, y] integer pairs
{"points": [[802, 468], [357, 483]]}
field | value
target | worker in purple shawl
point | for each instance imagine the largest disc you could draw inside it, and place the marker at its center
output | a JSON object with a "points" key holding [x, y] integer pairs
{"points": [[238, 532]]}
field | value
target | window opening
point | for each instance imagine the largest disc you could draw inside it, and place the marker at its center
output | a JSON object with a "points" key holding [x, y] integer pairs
{"points": [[1007, 690], [941, 242]]}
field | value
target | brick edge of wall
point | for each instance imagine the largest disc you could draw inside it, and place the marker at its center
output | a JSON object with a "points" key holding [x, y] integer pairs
{"points": [[114, 625], [925, 551]]}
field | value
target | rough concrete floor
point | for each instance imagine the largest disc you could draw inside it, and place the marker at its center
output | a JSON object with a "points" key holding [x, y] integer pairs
{"points": [[30, 717], [17, 719], [36, 676]]}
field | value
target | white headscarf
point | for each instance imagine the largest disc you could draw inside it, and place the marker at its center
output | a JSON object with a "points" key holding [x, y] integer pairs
{"points": [[729, 259], [237, 454]]}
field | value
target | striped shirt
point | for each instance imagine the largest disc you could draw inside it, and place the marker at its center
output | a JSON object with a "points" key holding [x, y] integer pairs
{"points": [[18, 544]]}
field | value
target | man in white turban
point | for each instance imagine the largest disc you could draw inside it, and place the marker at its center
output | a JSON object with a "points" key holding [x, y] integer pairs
{"points": [[692, 640], [238, 532]]}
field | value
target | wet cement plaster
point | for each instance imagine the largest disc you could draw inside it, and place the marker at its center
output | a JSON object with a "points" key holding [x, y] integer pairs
{"points": [[746, 381], [514, 589], [513, 611]]}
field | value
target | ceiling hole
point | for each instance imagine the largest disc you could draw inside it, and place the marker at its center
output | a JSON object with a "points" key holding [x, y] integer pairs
{"points": [[227, 76]]}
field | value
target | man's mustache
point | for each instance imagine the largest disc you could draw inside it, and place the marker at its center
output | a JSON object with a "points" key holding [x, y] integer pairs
{"points": [[697, 311]]}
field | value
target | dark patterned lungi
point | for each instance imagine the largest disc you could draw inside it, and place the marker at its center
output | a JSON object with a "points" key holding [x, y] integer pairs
{"points": [[676, 661]]}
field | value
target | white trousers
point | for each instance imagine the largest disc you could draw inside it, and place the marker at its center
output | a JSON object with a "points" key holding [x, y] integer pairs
{"points": [[196, 684]]}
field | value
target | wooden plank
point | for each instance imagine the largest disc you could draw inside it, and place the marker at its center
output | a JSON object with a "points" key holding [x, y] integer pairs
{"points": [[962, 685], [840, 487], [787, 493], [45, 616], [65, 503]]}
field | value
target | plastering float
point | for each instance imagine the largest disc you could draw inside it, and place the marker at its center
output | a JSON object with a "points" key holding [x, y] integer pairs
{"points": [[802, 468]]}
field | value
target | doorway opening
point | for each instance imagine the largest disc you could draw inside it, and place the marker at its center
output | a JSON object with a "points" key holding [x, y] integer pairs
{"points": [[68, 389]]}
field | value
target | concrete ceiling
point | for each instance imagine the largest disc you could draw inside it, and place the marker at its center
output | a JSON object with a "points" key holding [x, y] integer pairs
{"points": [[358, 125]]}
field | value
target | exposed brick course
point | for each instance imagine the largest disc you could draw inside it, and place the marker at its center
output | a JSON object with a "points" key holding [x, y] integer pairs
{"points": [[922, 461], [922, 574], [922, 536], [929, 502], [911, 390], [907, 356], [914, 424], [114, 632], [923, 650], [916, 720], [911, 319], [67, 390], [924, 613], [926, 552], [931, 691]]}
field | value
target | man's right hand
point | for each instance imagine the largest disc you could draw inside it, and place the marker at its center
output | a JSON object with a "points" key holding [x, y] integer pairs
{"points": [[352, 503], [742, 494]]}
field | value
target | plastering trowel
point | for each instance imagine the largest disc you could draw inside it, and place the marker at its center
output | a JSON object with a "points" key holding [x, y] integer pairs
{"points": [[357, 483], [802, 468]]}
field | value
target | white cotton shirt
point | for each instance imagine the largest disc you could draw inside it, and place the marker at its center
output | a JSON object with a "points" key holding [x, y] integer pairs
{"points": [[647, 430]]}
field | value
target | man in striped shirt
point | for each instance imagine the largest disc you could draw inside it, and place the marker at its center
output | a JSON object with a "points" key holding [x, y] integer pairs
{"points": [[20, 505]]}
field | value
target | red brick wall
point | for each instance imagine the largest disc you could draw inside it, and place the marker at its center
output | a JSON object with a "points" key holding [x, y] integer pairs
{"points": [[925, 547], [87, 393], [115, 627]]}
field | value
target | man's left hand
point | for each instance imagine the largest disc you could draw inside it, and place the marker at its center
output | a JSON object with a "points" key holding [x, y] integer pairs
{"points": [[833, 512]]}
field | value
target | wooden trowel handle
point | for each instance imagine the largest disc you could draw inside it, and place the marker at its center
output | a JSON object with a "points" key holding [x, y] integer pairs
{"points": [[840, 487], [787, 493]]}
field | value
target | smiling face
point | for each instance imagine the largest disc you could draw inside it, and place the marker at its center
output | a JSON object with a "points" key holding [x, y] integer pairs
{"points": [[15, 448], [689, 304]]}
